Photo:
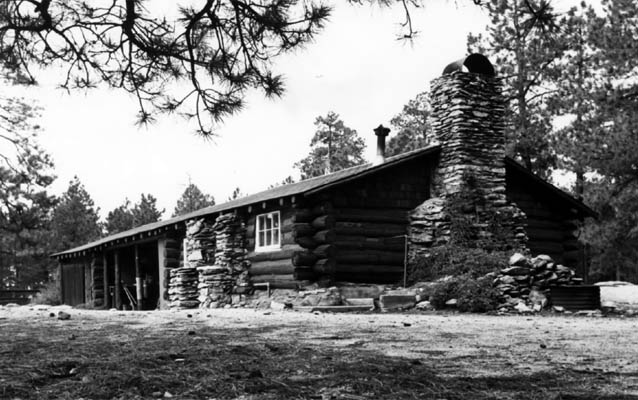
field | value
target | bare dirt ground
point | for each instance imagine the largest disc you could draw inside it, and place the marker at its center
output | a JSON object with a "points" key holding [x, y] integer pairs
{"points": [[263, 354]]}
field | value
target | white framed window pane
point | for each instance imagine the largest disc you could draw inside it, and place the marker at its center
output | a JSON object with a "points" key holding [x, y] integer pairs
{"points": [[269, 222], [275, 236], [267, 229], [275, 219]]}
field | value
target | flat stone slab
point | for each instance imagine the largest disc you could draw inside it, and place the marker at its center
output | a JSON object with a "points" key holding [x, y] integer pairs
{"points": [[340, 309], [360, 302], [396, 301], [361, 291]]}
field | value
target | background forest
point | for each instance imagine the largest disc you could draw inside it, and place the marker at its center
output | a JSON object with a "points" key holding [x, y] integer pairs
{"points": [[570, 79]]}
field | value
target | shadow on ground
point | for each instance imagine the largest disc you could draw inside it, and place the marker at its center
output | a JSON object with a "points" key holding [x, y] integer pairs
{"points": [[123, 363]]}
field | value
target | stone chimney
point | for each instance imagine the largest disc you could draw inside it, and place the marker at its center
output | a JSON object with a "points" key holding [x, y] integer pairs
{"points": [[381, 132], [468, 122]]}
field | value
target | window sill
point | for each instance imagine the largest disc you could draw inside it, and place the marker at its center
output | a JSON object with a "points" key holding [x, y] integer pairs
{"points": [[267, 249]]}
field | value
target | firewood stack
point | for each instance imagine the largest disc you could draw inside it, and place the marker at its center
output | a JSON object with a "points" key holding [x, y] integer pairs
{"points": [[526, 275], [200, 251], [217, 280]]}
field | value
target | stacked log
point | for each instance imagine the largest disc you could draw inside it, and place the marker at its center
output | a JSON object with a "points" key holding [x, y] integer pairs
{"points": [[370, 243], [172, 257], [229, 269], [526, 279], [318, 260], [98, 281], [306, 236]]}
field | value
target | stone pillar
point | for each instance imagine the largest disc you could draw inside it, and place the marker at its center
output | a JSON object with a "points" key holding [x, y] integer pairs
{"points": [[229, 270], [199, 249], [468, 122]]}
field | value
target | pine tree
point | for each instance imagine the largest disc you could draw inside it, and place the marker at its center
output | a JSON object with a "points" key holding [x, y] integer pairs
{"points": [[577, 80], [333, 147], [236, 194], [120, 219], [222, 48], [611, 151], [75, 218], [127, 217], [145, 211], [25, 206], [521, 41], [412, 126], [191, 200]]}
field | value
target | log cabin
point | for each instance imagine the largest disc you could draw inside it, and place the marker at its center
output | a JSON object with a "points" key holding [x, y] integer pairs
{"points": [[360, 224]]}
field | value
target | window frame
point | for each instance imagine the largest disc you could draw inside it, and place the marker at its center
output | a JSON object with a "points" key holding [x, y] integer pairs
{"points": [[259, 247]]}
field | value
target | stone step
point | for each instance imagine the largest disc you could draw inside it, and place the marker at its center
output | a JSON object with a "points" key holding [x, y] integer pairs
{"points": [[340, 309], [389, 302], [361, 291], [359, 302]]}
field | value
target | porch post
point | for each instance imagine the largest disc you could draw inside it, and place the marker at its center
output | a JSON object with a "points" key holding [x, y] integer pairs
{"points": [[107, 295], [163, 284], [118, 283], [138, 278], [60, 272]]}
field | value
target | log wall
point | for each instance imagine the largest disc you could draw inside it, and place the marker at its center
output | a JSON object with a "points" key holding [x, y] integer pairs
{"points": [[305, 254], [551, 229], [169, 257], [371, 221], [97, 275]]}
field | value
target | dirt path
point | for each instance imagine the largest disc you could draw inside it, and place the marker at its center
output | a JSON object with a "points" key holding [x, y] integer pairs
{"points": [[257, 354]]}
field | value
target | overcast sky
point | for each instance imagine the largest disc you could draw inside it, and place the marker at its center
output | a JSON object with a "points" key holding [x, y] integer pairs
{"points": [[356, 67]]}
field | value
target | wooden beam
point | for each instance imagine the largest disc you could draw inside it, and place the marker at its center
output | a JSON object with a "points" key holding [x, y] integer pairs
{"points": [[275, 267], [162, 247], [138, 279], [118, 283], [60, 271], [107, 295]]}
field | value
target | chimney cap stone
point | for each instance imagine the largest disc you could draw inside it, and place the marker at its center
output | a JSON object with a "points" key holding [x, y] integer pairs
{"points": [[474, 63], [381, 131]]}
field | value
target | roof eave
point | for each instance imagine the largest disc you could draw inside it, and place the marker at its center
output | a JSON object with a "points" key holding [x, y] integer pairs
{"points": [[578, 204]]}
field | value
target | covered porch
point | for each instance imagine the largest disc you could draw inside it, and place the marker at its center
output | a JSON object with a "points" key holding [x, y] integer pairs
{"points": [[128, 274]]}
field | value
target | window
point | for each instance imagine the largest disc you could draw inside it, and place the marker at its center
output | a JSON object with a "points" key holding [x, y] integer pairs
{"points": [[268, 231]]}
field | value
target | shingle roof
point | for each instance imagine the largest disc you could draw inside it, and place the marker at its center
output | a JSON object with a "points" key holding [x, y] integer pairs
{"points": [[305, 187], [311, 186]]}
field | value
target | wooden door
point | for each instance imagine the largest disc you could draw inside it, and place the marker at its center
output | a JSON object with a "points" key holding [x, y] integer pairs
{"points": [[73, 284]]}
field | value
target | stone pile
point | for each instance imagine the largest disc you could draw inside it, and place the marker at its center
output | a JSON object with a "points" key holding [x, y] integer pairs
{"points": [[229, 269], [524, 285], [200, 250], [182, 289]]}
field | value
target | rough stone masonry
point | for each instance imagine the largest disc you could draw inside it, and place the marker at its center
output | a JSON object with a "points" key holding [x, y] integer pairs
{"points": [[468, 122], [215, 265]]}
